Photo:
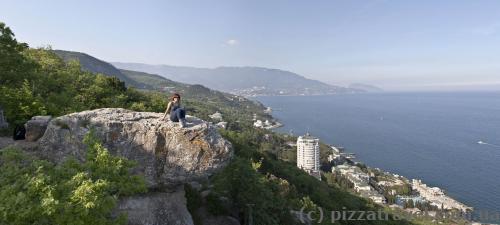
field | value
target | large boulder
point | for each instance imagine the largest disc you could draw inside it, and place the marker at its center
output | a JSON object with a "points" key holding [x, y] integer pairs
{"points": [[35, 128], [167, 155], [156, 208]]}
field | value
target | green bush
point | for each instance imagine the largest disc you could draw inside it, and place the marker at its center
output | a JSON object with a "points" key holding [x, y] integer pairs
{"points": [[35, 191], [38, 82], [252, 193], [274, 187]]}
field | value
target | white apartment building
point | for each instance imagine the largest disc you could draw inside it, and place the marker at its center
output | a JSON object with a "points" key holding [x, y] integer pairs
{"points": [[308, 153]]}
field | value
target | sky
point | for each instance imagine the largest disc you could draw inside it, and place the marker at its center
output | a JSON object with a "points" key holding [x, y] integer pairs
{"points": [[394, 44]]}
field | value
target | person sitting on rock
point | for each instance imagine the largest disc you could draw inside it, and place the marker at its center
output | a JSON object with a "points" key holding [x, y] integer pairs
{"points": [[177, 113]]}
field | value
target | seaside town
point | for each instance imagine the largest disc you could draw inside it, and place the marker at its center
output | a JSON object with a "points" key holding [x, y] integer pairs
{"points": [[388, 189], [368, 112], [392, 190], [265, 124], [384, 188]]}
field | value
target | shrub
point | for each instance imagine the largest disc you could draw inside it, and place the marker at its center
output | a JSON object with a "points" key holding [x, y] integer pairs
{"points": [[35, 191]]}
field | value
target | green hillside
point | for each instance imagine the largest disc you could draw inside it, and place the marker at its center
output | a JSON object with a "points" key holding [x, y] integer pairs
{"points": [[92, 64], [258, 176], [151, 81], [242, 80], [233, 107], [200, 100]]}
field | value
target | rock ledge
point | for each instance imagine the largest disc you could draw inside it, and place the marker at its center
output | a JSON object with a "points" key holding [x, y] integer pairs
{"points": [[167, 155]]}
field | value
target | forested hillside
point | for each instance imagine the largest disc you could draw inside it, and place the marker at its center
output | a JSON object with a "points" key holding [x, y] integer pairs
{"points": [[38, 82], [242, 80], [200, 100], [94, 65]]}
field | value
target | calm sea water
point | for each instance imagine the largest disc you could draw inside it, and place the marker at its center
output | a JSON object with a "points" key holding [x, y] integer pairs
{"points": [[428, 136]]}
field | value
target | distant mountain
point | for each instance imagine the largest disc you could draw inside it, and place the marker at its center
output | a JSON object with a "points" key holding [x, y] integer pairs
{"points": [[92, 64], [365, 87], [147, 81], [150, 81], [247, 81], [159, 83]]}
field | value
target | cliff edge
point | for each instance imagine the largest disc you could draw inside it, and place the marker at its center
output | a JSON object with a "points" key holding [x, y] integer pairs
{"points": [[166, 154]]}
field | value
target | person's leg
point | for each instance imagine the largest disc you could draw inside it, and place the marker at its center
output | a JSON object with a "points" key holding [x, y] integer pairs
{"points": [[181, 115], [173, 116]]}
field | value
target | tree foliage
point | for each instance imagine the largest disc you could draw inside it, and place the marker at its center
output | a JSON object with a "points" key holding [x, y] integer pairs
{"points": [[35, 191], [255, 184], [38, 82], [275, 187]]}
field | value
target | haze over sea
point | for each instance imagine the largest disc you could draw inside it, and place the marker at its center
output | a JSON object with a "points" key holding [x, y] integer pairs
{"points": [[428, 136]]}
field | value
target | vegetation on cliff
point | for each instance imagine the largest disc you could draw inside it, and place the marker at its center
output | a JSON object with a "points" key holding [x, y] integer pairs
{"points": [[261, 182], [38, 82], [35, 191], [271, 187]]}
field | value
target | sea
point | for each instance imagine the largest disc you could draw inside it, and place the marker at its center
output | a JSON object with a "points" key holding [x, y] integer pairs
{"points": [[448, 140]]}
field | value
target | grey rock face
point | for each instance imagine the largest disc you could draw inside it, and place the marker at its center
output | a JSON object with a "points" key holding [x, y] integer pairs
{"points": [[156, 209], [35, 128], [167, 155]]}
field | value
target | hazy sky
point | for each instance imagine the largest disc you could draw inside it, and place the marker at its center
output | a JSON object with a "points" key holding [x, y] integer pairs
{"points": [[395, 44]]}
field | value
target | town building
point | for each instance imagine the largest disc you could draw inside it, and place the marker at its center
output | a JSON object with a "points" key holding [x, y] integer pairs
{"points": [[216, 116], [437, 197], [374, 196], [335, 157], [401, 200], [268, 110], [266, 124], [308, 155], [291, 144], [360, 181], [258, 124], [222, 125]]}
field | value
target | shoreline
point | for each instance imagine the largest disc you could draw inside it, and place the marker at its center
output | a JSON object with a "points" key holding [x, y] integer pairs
{"points": [[448, 203], [382, 92]]}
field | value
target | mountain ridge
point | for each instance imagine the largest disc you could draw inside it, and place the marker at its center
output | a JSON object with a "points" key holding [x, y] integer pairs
{"points": [[92, 64], [241, 80]]}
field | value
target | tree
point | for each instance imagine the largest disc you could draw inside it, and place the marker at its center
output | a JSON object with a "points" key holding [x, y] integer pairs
{"points": [[35, 191], [14, 67], [20, 103]]}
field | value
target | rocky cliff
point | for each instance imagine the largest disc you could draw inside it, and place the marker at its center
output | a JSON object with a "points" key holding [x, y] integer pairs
{"points": [[167, 155]]}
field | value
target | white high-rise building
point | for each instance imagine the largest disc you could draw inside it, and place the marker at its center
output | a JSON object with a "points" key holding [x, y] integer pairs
{"points": [[308, 154]]}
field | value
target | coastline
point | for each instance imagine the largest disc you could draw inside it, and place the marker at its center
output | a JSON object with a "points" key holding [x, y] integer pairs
{"points": [[434, 195]]}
